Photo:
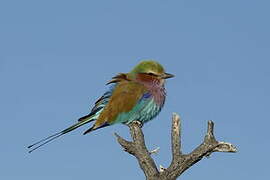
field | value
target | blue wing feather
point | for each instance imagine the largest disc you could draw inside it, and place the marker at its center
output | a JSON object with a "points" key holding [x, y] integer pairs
{"points": [[99, 104]]}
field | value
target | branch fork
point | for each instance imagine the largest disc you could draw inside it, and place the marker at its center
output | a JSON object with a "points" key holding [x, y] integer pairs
{"points": [[180, 162]]}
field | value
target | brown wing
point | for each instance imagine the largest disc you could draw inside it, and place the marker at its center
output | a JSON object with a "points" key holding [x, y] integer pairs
{"points": [[104, 98], [124, 97]]}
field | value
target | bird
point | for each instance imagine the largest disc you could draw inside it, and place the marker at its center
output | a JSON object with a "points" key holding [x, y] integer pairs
{"points": [[136, 96]]}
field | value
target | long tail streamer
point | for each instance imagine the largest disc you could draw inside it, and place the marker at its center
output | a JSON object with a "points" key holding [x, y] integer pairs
{"points": [[48, 139]]}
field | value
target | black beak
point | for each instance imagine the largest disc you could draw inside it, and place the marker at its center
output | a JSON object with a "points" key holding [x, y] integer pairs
{"points": [[167, 75]]}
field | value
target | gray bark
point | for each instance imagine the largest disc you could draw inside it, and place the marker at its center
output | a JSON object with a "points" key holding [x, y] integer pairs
{"points": [[180, 162]]}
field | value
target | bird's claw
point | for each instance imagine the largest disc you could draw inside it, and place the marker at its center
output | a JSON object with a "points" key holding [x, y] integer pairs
{"points": [[139, 123]]}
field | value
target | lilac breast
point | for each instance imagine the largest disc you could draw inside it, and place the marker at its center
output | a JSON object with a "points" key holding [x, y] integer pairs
{"points": [[158, 92]]}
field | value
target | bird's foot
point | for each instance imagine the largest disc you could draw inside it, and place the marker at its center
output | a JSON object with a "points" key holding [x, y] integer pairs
{"points": [[139, 123]]}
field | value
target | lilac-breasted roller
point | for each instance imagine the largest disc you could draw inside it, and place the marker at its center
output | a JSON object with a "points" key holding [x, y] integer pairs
{"points": [[135, 96]]}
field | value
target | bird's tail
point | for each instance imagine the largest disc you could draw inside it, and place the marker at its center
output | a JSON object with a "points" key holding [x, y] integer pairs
{"points": [[48, 139]]}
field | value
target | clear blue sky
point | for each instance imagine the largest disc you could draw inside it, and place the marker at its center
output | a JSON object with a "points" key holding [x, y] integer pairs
{"points": [[56, 56]]}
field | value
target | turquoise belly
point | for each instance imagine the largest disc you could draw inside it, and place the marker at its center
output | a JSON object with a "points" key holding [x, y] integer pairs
{"points": [[143, 112]]}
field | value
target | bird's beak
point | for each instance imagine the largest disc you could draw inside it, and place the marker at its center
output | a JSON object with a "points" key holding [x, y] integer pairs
{"points": [[167, 75]]}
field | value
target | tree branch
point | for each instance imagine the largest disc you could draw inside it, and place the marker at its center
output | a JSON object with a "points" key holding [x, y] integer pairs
{"points": [[139, 150], [180, 162], [176, 137]]}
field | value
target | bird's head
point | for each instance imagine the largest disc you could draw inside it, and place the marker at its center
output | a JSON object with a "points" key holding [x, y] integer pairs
{"points": [[149, 70]]}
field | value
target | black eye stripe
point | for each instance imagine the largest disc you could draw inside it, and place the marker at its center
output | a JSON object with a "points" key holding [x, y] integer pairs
{"points": [[152, 74], [149, 73]]}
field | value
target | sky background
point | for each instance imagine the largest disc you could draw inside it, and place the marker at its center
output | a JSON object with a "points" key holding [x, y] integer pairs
{"points": [[56, 56]]}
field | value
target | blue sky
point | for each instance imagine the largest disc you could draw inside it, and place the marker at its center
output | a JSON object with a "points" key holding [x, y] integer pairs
{"points": [[56, 56]]}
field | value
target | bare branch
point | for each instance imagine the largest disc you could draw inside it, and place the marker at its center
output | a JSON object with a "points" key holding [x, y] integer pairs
{"points": [[127, 145], [139, 150], [225, 147], [180, 162], [209, 137], [176, 136]]}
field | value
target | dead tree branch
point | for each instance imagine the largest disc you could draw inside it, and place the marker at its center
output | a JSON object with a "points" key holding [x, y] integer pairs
{"points": [[180, 162]]}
